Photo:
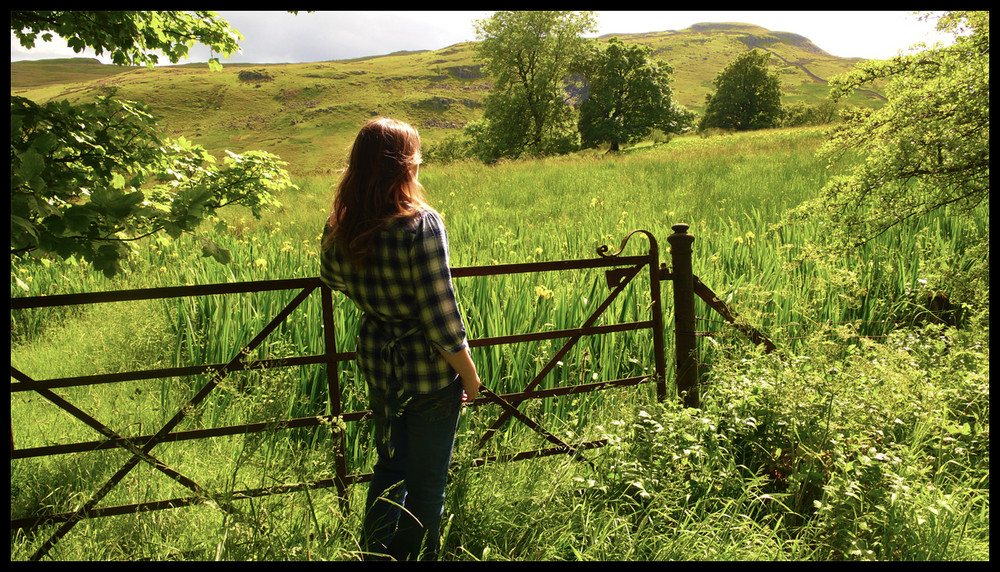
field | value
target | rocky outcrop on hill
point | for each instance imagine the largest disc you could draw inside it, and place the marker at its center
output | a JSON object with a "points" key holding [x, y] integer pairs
{"points": [[254, 75]]}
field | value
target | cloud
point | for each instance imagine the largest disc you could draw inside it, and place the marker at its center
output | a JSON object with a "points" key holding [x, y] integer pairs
{"points": [[282, 37]]}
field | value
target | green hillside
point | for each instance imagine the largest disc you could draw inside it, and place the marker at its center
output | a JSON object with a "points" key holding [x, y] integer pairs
{"points": [[307, 113], [700, 52], [27, 75]]}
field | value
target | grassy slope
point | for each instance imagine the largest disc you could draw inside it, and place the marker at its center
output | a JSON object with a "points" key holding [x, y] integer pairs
{"points": [[27, 75], [307, 113]]}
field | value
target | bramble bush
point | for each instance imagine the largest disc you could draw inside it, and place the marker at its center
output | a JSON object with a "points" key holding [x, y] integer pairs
{"points": [[869, 450]]}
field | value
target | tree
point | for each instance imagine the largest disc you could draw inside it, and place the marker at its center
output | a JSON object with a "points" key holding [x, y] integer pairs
{"points": [[528, 56], [88, 181], [747, 96], [926, 149], [130, 38], [627, 96], [800, 113]]}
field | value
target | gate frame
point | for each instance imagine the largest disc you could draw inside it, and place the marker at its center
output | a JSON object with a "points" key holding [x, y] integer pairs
{"points": [[140, 446]]}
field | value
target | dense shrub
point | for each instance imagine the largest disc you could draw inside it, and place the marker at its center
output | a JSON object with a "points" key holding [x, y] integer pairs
{"points": [[875, 450]]}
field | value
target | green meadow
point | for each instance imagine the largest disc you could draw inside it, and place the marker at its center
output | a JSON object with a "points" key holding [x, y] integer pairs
{"points": [[865, 436]]}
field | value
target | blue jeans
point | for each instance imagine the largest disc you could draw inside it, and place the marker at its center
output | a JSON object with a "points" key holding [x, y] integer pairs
{"points": [[411, 472]]}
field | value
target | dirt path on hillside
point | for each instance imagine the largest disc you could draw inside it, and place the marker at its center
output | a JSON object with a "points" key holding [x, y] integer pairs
{"points": [[817, 78]]}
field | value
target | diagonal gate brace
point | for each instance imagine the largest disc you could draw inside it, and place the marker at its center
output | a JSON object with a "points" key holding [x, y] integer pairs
{"points": [[510, 409], [109, 433]]}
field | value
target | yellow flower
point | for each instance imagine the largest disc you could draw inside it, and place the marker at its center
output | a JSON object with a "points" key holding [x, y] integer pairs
{"points": [[261, 263], [543, 292]]}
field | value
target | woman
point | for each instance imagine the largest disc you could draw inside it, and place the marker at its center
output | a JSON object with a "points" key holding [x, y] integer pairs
{"points": [[387, 250]]}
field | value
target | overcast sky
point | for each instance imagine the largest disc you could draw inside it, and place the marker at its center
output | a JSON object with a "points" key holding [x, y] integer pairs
{"points": [[280, 37]]}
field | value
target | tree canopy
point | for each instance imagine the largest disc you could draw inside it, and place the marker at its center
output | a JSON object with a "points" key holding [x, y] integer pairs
{"points": [[747, 95], [87, 181], [528, 55], [627, 95], [926, 149], [129, 37]]}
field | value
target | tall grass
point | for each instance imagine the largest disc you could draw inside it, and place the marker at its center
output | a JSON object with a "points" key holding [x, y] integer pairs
{"points": [[778, 464]]}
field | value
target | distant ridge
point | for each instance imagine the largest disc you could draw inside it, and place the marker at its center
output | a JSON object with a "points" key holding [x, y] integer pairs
{"points": [[35, 73], [307, 113], [758, 37]]}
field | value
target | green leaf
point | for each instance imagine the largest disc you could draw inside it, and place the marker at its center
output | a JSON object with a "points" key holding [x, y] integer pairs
{"points": [[220, 254], [78, 218], [24, 224], [31, 166], [172, 229]]}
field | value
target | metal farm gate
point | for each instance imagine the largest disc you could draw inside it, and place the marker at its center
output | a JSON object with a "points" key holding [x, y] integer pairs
{"points": [[620, 270]]}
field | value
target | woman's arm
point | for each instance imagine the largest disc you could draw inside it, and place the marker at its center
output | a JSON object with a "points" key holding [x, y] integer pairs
{"points": [[461, 361]]}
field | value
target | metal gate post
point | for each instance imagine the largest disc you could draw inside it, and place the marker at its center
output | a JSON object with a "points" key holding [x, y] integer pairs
{"points": [[333, 393], [656, 307], [684, 319]]}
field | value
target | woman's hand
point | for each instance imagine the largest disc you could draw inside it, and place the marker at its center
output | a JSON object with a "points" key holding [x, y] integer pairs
{"points": [[461, 361], [471, 388]]}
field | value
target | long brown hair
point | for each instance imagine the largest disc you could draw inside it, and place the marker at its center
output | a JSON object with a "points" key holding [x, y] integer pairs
{"points": [[378, 185]]}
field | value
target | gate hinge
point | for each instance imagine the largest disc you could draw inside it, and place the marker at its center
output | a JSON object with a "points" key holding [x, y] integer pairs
{"points": [[665, 273]]}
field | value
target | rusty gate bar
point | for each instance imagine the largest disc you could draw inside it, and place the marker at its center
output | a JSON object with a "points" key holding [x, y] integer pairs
{"points": [[656, 309], [710, 298], [180, 436], [523, 267], [164, 292], [333, 392], [28, 384]]}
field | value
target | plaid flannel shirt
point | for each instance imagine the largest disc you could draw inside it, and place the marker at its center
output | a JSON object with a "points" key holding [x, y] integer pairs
{"points": [[408, 302]]}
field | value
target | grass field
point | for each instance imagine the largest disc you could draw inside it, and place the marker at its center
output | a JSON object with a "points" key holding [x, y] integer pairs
{"points": [[866, 436]]}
